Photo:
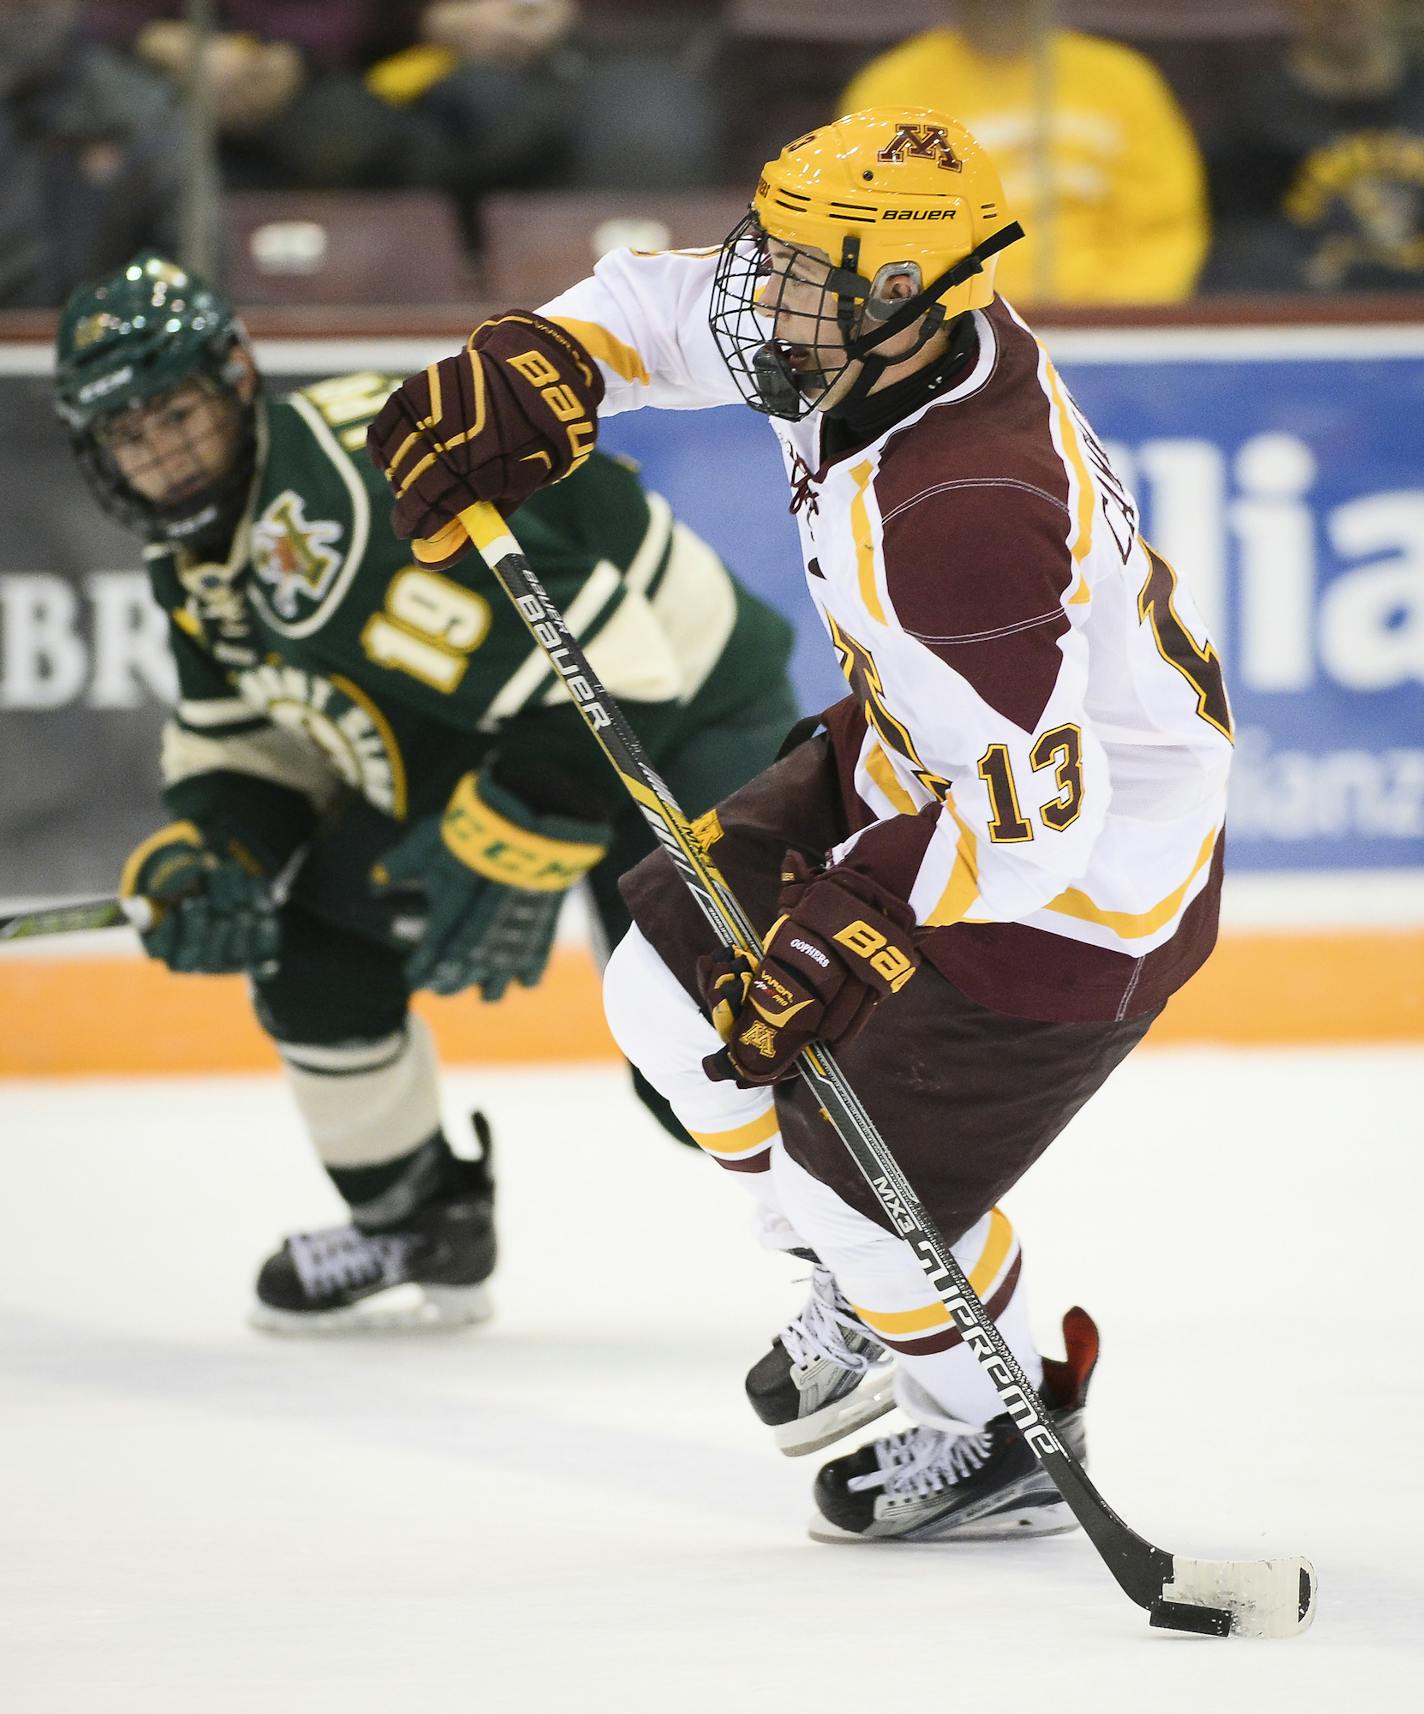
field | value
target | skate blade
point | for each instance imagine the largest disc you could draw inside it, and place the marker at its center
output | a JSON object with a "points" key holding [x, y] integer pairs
{"points": [[834, 1421], [1018, 1522], [406, 1308]]}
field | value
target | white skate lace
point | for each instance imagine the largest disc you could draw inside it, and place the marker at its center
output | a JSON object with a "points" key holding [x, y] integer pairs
{"points": [[345, 1256], [819, 1332], [923, 1461]]}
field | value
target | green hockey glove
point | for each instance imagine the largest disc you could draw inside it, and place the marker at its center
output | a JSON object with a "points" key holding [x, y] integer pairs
{"points": [[213, 909], [494, 872]]}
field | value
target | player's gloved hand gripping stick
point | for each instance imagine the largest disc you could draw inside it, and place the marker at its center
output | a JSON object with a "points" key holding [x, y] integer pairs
{"points": [[202, 903], [134, 910], [837, 950], [1244, 1598]]}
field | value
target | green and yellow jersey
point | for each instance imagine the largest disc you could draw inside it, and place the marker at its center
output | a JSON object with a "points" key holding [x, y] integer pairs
{"points": [[321, 660]]}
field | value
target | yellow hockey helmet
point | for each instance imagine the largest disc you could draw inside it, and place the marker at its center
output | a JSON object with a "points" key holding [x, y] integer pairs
{"points": [[890, 191], [904, 184]]}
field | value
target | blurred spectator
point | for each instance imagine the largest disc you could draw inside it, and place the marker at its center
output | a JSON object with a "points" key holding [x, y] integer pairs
{"points": [[92, 154], [1318, 177], [459, 94], [487, 92], [1124, 218], [653, 102]]}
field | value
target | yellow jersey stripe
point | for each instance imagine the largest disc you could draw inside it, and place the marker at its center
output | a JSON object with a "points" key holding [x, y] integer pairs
{"points": [[607, 348], [997, 1245], [1132, 924], [864, 547], [1082, 535], [985, 1271], [388, 741], [741, 1140], [963, 886], [898, 1322], [880, 768]]}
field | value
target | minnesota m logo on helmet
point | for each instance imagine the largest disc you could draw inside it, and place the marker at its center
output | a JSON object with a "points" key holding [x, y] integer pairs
{"points": [[924, 142]]}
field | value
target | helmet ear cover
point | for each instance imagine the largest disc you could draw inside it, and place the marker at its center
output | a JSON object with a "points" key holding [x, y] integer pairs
{"points": [[877, 306], [927, 299]]}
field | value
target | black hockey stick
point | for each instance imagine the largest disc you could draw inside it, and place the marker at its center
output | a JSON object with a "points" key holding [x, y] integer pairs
{"points": [[1245, 1598], [75, 917]]}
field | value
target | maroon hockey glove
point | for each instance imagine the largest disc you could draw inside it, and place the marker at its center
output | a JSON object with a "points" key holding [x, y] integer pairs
{"points": [[516, 409], [838, 950]]}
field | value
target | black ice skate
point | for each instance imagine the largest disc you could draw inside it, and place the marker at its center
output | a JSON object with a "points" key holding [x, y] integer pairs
{"points": [[427, 1273], [816, 1382], [929, 1485]]}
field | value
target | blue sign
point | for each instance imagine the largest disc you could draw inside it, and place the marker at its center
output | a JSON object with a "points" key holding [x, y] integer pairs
{"points": [[1283, 476]]}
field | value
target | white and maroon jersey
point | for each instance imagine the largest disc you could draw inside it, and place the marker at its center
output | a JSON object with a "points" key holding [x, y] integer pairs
{"points": [[1037, 750]]}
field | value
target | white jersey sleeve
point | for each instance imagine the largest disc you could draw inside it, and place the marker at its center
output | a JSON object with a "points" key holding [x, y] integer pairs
{"points": [[643, 316]]}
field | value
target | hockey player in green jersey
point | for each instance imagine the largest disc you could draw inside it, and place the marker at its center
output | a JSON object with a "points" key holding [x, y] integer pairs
{"points": [[375, 783]]}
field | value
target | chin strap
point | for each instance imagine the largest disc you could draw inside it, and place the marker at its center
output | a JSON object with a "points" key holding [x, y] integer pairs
{"points": [[872, 367]]}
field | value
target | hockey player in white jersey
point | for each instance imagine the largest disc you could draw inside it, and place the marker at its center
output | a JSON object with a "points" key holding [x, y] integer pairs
{"points": [[982, 882]]}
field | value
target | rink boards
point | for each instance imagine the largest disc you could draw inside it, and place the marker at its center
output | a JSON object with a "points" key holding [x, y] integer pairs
{"points": [[1278, 977]]}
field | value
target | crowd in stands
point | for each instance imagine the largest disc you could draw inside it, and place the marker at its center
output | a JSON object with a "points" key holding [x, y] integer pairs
{"points": [[1285, 162]]}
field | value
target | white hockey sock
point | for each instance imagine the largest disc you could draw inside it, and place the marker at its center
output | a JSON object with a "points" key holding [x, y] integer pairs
{"points": [[366, 1103], [933, 1385], [662, 1031], [936, 1374]]}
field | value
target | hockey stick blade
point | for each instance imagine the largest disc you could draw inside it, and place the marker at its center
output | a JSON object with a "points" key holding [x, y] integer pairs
{"points": [[1208, 1601], [76, 918], [1267, 1598]]}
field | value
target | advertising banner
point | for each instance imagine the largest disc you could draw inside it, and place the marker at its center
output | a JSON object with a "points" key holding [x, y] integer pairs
{"points": [[84, 669], [1279, 471]]}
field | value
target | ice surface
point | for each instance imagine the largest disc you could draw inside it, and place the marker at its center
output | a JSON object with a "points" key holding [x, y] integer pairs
{"points": [[572, 1508]]}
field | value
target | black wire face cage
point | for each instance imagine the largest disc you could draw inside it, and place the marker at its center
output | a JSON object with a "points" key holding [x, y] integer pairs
{"points": [[748, 293], [203, 519]]}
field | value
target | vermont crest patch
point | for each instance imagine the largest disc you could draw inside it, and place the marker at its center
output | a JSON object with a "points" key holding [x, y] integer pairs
{"points": [[294, 555]]}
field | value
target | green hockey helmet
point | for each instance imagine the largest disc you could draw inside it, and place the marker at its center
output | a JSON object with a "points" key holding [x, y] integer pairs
{"points": [[125, 342]]}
